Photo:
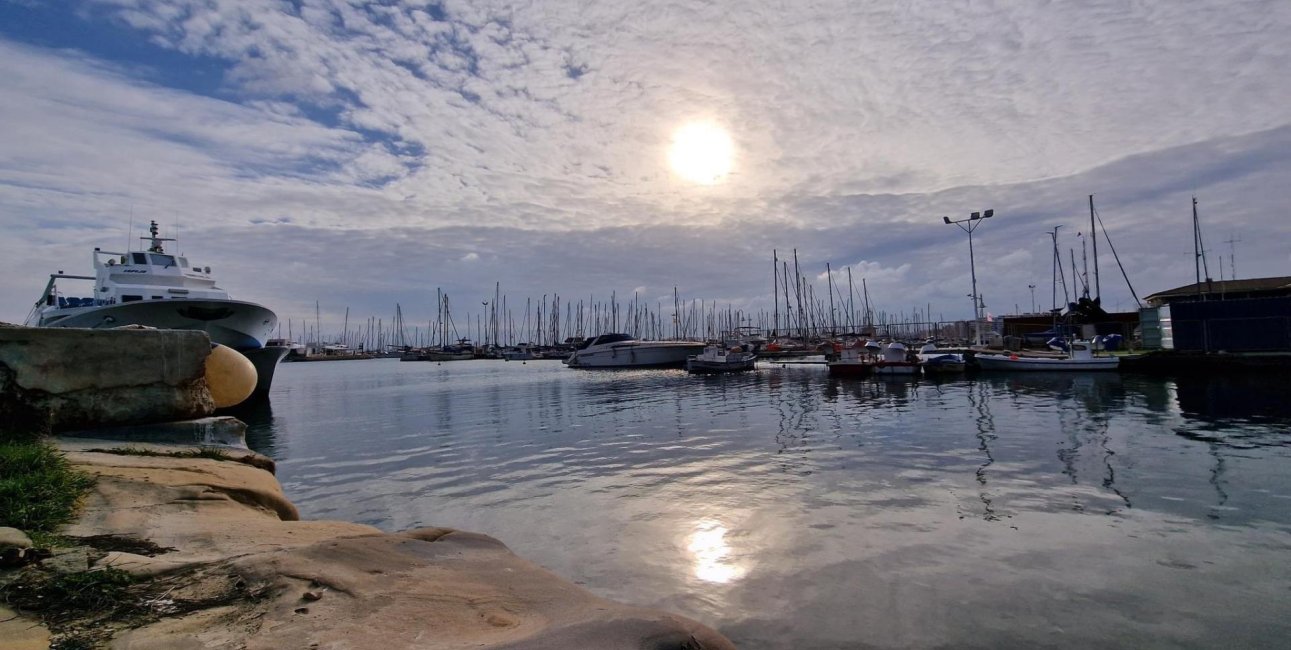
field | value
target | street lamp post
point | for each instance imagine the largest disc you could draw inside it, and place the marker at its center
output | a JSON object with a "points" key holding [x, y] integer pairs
{"points": [[974, 220]]}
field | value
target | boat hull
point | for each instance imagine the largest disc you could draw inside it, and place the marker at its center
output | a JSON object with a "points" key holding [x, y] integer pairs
{"points": [[266, 362], [637, 354], [850, 368], [239, 325], [896, 368], [435, 355], [999, 362], [945, 368], [708, 367], [942, 364]]}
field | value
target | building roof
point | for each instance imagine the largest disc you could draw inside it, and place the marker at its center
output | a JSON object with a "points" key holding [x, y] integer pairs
{"points": [[1279, 285]]}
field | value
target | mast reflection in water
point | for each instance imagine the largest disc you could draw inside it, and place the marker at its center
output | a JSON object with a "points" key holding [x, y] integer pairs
{"points": [[789, 509]]}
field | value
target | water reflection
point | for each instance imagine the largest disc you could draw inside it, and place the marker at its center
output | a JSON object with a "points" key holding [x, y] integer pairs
{"points": [[257, 413], [979, 401], [827, 510], [713, 560]]}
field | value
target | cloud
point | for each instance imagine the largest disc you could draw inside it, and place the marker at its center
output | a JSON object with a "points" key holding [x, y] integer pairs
{"points": [[369, 146]]}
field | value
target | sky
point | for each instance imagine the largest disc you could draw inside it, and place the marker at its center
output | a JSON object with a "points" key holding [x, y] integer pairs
{"points": [[365, 154]]}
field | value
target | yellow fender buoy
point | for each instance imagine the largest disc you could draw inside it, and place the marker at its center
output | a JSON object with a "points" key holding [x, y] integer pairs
{"points": [[230, 377]]}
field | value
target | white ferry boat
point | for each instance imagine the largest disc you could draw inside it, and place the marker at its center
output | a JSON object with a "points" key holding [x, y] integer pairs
{"points": [[162, 290]]}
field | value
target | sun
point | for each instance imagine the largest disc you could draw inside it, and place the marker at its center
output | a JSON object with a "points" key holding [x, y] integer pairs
{"points": [[701, 153]]}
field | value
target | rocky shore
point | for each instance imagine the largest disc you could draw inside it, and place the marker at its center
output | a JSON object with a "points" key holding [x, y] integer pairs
{"points": [[205, 551]]}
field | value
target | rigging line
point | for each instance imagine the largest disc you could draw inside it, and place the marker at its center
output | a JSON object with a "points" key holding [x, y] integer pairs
{"points": [[1116, 257]]}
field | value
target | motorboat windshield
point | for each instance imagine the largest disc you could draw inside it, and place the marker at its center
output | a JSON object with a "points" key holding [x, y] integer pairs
{"points": [[610, 338]]}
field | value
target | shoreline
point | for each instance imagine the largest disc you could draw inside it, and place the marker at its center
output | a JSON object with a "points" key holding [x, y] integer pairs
{"points": [[220, 559]]}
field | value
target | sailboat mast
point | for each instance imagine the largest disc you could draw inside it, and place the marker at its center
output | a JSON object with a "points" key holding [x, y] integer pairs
{"points": [[1093, 233], [1196, 246], [830, 286], [851, 303], [865, 291], [1075, 297], [775, 290]]}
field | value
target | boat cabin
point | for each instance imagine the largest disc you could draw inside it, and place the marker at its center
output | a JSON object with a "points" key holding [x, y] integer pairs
{"points": [[606, 339], [153, 274]]}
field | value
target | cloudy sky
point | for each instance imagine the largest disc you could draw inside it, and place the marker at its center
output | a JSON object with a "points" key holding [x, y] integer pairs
{"points": [[363, 154]]}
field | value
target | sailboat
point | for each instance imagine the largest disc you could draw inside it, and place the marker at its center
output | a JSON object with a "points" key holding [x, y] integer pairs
{"points": [[461, 351]]}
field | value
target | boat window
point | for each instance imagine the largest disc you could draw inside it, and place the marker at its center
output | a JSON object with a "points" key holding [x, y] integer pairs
{"points": [[162, 260], [131, 298], [158, 297], [611, 338], [138, 258], [183, 262]]}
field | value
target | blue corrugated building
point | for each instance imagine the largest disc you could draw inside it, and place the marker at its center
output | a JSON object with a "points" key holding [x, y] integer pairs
{"points": [[1251, 315]]}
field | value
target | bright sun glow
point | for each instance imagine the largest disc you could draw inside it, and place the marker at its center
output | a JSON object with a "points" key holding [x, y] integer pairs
{"points": [[713, 561], [701, 153]]}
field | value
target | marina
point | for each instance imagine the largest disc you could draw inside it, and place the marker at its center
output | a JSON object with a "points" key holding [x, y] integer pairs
{"points": [[789, 508], [665, 326]]}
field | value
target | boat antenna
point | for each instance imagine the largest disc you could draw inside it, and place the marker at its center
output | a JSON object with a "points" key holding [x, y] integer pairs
{"points": [[155, 238], [130, 229], [1232, 255]]}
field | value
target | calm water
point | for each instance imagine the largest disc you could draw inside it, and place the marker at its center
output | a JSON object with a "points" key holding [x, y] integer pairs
{"points": [[789, 510]]}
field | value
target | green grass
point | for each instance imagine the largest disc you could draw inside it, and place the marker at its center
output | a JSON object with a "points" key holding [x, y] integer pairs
{"points": [[39, 490]]}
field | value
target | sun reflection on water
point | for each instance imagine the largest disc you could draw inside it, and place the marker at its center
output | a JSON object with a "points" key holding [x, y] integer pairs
{"points": [[712, 555]]}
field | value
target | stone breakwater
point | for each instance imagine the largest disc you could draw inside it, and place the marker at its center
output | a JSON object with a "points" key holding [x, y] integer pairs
{"points": [[229, 537], [54, 379]]}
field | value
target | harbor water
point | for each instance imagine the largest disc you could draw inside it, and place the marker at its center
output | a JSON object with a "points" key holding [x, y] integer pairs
{"points": [[791, 510]]}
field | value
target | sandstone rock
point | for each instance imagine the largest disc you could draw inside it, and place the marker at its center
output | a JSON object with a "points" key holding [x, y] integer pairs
{"points": [[53, 379], [232, 451], [423, 589], [67, 560], [238, 546], [19, 633], [142, 566]]}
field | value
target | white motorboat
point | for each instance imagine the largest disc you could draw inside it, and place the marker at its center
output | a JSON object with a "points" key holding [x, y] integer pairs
{"points": [[623, 351], [1080, 358], [717, 358], [162, 290]]}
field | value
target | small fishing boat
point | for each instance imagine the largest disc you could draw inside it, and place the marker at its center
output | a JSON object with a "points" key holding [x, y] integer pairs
{"points": [[852, 361], [894, 359], [1080, 358], [619, 350], [717, 358]]}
